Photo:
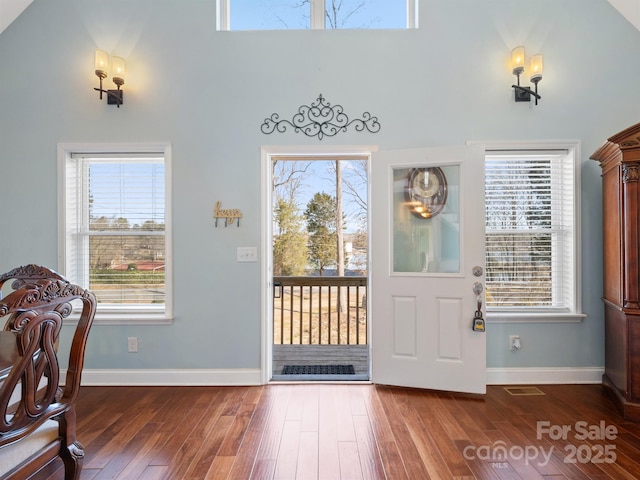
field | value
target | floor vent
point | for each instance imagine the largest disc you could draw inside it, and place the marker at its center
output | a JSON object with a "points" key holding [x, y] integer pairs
{"points": [[524, 391], [318, 370]]}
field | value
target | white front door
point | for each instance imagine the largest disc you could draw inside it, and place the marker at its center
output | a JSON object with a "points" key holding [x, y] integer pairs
{"points": [[427, 265]]}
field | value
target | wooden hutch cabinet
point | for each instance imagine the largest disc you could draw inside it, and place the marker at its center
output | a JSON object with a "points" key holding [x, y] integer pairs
{"points": [[619, 158]]}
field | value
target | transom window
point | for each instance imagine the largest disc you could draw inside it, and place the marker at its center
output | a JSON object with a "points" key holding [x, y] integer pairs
{"points": [[316, 14], [116, 230], [531, 231]]}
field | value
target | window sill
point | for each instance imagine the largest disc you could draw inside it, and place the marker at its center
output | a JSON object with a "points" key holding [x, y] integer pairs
{"points": [[122, 318], [533, 317]]}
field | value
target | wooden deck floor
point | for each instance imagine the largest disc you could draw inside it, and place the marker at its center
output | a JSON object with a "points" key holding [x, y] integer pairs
{"points": [[356, 355], [340, 431]]}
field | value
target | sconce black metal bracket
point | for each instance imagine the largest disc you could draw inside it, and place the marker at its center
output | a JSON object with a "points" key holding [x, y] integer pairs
{"points": [[320, 119], [115, 97], [524, 94]]}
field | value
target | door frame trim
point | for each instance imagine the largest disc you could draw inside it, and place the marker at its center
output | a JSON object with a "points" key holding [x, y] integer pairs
{"points": [[267, 152]]}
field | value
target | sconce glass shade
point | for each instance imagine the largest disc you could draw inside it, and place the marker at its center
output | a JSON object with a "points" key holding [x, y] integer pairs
{"points": [[517, 60], [118, 70], [101, 63], [535, 68]]}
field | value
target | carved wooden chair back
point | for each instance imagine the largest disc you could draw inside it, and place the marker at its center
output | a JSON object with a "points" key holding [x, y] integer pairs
{"points": [[31, 391]]}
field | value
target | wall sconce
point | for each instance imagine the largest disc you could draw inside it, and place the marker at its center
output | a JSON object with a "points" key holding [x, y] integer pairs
{"points": [[114, 97], [522, 93]]}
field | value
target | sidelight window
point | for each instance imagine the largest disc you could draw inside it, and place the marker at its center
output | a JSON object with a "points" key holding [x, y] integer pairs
{"points": [[531, 231]]}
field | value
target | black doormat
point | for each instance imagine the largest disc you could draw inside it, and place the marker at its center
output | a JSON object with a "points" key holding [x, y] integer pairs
{"points": [[318, 370]]}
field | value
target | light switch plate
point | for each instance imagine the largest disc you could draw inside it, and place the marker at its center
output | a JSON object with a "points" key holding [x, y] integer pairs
{"points": [[247, 254]]}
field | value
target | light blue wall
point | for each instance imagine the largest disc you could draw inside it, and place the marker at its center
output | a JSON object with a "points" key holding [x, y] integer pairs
{"points": [[207, 93]]}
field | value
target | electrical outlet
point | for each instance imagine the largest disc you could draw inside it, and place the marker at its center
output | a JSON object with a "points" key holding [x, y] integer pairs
{"points": [[132, 344], [514, 342]]}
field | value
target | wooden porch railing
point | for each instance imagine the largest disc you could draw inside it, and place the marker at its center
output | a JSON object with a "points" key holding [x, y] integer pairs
{"points": [[320, 310]]}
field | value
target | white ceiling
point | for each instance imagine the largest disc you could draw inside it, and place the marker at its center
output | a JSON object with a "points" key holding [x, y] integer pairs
{"points": [[630, 9], [11, 9]]}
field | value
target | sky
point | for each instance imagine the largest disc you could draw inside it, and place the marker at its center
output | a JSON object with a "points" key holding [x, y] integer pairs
{"points": [[131, 190]]}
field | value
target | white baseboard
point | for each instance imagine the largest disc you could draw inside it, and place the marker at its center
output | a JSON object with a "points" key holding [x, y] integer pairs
{"points": [[542, 376], [171, 377], [248, 376]]}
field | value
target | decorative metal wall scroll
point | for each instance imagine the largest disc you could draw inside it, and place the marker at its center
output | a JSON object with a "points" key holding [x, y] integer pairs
{"points": [[320, 119], [230, 215]]}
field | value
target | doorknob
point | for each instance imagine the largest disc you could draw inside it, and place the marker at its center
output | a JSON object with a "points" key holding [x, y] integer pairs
{"points": [[477, 288]]}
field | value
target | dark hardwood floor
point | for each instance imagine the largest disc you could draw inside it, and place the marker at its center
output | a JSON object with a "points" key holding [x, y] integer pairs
{"points": [[309, 431]]}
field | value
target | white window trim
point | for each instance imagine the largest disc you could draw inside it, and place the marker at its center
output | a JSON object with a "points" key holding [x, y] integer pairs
{"points": [[552, 316], [317, 14], [223, 18], [120, 315]]}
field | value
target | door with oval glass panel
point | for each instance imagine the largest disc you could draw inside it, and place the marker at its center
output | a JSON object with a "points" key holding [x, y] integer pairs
{"points": [[427, 268]]}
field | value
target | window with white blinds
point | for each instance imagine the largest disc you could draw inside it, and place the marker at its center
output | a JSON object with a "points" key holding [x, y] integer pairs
{"points": [[116, 231], [531, 254]]}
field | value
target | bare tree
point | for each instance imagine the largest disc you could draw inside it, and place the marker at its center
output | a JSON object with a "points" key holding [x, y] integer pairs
{"points": [[287, 177], [355, 179], [337, 13]]}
